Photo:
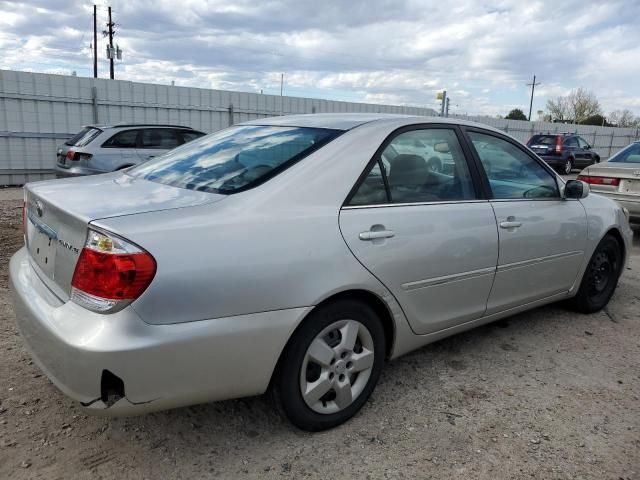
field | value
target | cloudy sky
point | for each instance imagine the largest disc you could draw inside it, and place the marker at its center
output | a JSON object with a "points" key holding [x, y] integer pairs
{"points": [[482, 52]]}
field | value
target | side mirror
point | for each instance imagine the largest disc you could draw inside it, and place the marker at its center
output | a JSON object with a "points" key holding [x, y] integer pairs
{"points": [[576, 189]]}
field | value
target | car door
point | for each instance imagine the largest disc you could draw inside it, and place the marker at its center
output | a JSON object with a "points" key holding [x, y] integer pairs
{"points": [[428, 236], [118, 151], [570, 144], [586, 154], [542, 236], [154, 142]]}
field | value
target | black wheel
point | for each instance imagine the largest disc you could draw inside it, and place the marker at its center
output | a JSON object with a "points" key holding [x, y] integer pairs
{"points": [[434, 165], [330, 365], [600, 278], [596, 159], [567, 166]]}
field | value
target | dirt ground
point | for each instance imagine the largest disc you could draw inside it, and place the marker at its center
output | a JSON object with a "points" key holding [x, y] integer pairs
{"points": [[547, 394]]}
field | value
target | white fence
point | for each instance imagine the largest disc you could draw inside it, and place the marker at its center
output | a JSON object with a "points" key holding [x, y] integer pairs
{"points": [[39, 111]]}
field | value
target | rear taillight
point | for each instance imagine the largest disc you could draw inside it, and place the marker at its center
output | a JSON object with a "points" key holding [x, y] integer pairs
{"points": [[110, 273], [77, 156], [614, 182], [558, 145]]}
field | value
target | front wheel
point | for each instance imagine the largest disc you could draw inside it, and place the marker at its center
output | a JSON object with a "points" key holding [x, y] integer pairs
{"points": [[600, 278], [330, 365]]}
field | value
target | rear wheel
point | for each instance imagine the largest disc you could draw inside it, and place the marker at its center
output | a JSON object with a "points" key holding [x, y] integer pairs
{"points": [[567, 166], [330, 365], [600, 278]]}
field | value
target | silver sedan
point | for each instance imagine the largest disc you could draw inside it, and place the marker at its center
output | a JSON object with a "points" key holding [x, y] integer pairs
{"points": [[296, 255], [618, 178]]}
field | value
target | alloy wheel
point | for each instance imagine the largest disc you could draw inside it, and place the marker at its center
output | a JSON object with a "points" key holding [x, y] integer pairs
{"points": [[568, 167]]}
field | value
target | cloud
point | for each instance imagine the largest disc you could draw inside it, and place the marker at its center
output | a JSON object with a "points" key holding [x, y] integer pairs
{"points": [[483, 52]]}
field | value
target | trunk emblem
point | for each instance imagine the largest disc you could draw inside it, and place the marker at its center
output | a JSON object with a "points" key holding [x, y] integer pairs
{"points": [[637, 173], [39, 208]]}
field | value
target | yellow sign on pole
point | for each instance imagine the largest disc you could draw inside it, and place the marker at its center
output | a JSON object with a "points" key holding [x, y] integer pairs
{"points": [[439, 96]]}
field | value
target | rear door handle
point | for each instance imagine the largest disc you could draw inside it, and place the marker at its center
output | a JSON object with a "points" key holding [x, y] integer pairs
{"points": [[374, 234]]}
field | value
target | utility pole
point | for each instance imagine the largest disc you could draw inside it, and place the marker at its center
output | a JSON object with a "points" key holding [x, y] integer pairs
{"points": [[110, 25], [95, 42], [533, 87], [446, 108]]}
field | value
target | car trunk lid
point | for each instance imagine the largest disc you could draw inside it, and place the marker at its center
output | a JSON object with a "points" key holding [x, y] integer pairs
{"points": [[58, 214]]}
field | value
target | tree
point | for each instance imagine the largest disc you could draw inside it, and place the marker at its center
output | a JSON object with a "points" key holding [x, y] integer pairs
{"points": [[623, 118], [558, 108], [583, 104], [576, 107], [596, 119], [516, 114]]}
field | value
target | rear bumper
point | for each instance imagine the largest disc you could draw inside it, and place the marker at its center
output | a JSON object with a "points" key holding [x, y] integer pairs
{"points": [[161, 366]]}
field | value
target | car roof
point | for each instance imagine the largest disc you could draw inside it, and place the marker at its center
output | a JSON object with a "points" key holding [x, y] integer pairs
{"points": [[136, 125], [348, 121]]}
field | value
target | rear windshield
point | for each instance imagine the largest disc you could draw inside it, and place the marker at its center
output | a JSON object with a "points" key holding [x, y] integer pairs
{"points": [[543, 140], [234, 159], [629, 154], [83, 137]]}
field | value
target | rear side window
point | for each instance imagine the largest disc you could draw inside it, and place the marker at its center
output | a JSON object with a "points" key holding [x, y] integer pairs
{"points": [[234, 159], [160, 138], [571, 142], [549, 140], [125, 139], [83, 137]]}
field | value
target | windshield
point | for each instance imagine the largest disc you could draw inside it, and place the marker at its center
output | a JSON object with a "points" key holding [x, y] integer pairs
{"points": [[629, 154], [83, 137], [234, 159]]}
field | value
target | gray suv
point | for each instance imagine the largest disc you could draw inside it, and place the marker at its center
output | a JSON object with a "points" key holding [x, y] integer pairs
{"points": [[106, 148]]}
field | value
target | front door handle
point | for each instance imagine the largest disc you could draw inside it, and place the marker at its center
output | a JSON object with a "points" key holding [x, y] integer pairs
{"points": [[375, 234], [510, 224]]}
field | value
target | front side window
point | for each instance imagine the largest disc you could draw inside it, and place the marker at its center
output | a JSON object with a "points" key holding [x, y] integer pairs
{"points": [[125, 139], [425, 165], [234, 159], [583, 144], [629, 154], [511, 172], [160, 138]]}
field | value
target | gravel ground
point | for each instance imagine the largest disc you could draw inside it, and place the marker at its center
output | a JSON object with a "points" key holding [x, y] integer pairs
{"points": [[545, 394]]}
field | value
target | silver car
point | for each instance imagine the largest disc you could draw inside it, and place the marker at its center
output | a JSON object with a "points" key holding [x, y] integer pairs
{"points": [[618, 178], [106, 148], [283, 254]]}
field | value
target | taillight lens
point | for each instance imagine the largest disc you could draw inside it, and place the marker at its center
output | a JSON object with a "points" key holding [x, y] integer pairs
{"points": [[614, 182], [558, 145], [77, 156], [110, 273]]}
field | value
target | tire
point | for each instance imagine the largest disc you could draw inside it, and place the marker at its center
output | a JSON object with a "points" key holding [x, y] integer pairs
{"points": [[596, 160], [600, 278], [567, 167], [329, 329], [434, 165]]}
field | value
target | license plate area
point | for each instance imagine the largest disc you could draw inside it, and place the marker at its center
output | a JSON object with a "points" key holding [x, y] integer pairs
{"points": [[42, 241], [630, 186]]}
